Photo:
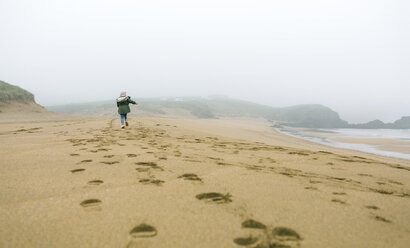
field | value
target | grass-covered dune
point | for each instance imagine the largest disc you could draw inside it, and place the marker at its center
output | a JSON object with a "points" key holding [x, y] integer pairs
{"points": [[17, 101], [10, 93]]}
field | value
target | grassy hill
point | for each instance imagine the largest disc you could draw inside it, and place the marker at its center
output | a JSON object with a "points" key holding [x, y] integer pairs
{"points": [[308, 115], [10, 93], [213, 107], [14, 99]]}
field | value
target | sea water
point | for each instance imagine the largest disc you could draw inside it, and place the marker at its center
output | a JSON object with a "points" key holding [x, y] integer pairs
{"points": [[323, 136]]}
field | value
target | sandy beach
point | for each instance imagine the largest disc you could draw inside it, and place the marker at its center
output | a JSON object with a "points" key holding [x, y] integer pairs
{"points": [[193, 183]]}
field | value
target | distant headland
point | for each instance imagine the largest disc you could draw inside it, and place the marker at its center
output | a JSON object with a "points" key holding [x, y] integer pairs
{"points": [[14, 98], [214, 107]]}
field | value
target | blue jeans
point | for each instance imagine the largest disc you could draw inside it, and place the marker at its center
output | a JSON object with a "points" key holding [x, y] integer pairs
{"points": [[123, 118]]}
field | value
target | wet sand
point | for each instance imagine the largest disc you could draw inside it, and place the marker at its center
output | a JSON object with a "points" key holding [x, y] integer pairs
{"points": [[401, 149], [391, 145], [193, 183], [373, 141], [398, 147]]}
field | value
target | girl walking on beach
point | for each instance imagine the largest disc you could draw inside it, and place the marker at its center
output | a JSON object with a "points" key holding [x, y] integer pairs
{"points": [[123, 107]]}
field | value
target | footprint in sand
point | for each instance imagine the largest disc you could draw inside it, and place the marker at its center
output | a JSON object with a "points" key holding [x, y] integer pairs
{"points": [[249, 241], [95, 182], [191, 177], [261, 236], [141, 235], [86, 161], [142, 169], [339, 201], [284, 237], [382, 219], [77, 170], [253, 224], [152, 181], [91, 204], [214, 197], [109, 162], [150, 165], [373, 207], [256, 237]]}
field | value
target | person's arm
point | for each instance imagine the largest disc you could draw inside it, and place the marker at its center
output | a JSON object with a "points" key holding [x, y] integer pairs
{"points": [[131, 101]]}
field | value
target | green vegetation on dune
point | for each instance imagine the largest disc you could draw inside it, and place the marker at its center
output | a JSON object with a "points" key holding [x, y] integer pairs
{"points": [[10, 93], [14, 100]]}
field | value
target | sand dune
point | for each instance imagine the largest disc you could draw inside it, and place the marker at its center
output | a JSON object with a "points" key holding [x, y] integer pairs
{"points": [[193, 183]]}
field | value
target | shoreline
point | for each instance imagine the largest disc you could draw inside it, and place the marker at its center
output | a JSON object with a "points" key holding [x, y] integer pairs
{"points": [[387, 147]]}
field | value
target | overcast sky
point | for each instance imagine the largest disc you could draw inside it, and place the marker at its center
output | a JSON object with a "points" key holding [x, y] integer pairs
{"points": [[350, 55]]}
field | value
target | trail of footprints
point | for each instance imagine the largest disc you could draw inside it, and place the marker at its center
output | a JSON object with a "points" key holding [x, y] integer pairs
{"points": [[95, 204], [256, 234], [260, 235]]}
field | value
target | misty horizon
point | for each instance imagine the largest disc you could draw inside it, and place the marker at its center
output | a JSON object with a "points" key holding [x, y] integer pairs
{"points": [[351, 56], [189, 98]]}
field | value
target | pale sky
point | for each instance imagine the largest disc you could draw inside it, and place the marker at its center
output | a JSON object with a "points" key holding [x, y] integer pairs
{"points": [[350, 55]]}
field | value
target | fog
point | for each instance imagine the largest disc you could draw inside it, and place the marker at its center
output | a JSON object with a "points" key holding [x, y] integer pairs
{"points": [[350, 55]]}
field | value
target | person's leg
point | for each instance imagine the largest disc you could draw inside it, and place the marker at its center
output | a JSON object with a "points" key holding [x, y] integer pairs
{"points": [[126, 122], [122, 121]]}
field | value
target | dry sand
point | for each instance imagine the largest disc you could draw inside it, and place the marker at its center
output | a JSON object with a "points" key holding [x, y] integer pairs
{"points": [[193, 183]]}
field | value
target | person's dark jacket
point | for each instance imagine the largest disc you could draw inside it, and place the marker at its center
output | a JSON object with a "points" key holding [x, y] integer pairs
{"points": [[123, 105]]}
